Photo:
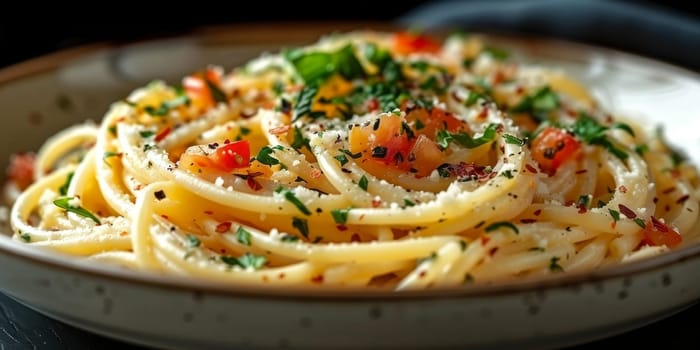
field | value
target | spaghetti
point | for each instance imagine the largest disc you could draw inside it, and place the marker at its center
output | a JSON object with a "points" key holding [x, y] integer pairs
{"points": [[366, 159]]}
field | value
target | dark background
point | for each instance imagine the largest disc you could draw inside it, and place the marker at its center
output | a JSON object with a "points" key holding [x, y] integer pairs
{"points": [[30, 37], [23, 36]]}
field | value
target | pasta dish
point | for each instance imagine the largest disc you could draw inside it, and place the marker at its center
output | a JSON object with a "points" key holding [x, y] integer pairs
{"points": [[380, 160]]}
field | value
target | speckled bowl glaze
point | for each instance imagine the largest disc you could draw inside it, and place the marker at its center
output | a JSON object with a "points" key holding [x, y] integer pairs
{"points": [[41, 96]]}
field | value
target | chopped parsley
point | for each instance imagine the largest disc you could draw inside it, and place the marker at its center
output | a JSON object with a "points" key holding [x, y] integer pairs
{"points": [[554, 265], [497, 225], [245, 261], [299, 140], [342, 159], [538, 104], [640, 222], [408, 203], [63, 190], [289, 238], [242, 236], [305, 101], [216, 93], [302, 225], [25, 237], [615, 214], [590, 131], [340, 216], [363, 183], [65, 203], [290, 197], [513, 140], [316, 66], [265, 155], [444, 138], [497, 53], [193, 241], [165, 107]]}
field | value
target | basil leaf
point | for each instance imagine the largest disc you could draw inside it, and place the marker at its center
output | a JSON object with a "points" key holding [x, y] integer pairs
{"points": [[64, 203]]}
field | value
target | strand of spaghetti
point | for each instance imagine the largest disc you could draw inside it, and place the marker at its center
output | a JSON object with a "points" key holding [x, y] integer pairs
{"points": [[59, 145]]}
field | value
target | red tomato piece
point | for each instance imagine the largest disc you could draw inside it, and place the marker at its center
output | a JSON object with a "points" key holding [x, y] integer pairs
{"points": [[406, 42], [21, 169], [552, 147], [657, 233]]}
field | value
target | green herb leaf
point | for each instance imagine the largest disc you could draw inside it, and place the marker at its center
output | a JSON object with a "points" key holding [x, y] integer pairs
{"points": [[316, 66], [615, 214], [216, 92], [590, 131], [25, 237], [342, 159], [340, 216], [640, 222], [363, 183], [165, 107], [292, 198], [63, 190], [498, 224], [625, 127], [305, 101], [444, 138], [265, 156], [245, 261], [641, 149], [289, 238], [302, 225], [507, 174], [243, 236], [299, 140], [408, 203], [513, 140], [64, 203], [536, 249], [542, 101], [146, 133], [193, 241], [554, 265]]}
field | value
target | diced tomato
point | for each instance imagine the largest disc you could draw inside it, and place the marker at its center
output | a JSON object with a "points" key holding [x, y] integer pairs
{"points": [[406, 42], [225, 158], [657, 233], [21, 169], [429, 123], [552, 147], [197, 88], [390, 141]]}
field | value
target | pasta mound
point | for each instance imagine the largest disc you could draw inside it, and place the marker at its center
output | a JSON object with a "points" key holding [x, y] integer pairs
{"points": [[381, 160]]}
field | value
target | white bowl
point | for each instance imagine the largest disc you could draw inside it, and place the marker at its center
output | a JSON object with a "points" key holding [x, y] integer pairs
{"points": [[44, 95]]}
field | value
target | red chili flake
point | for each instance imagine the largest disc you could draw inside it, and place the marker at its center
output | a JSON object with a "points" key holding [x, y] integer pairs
{"points": [[316, 173], [162, 134], [341, 227], [658, 225], [669, 190], [683, 199], [531, 168], [422, 274], [527, 221], [253, 184], [223, 227], [483, 114], [465, 170], [164, 216], [519, 90], [485, 239], [456, 97], [582, 208], [280, 129], [623, 189], [376, 202], [537, 212], [355, 238], [656, 200], [493, 251], [498, 77], [667, 208], [208, 212], [317, 279], [582, 171], [282, 275], [571, 112], [627, 211]]}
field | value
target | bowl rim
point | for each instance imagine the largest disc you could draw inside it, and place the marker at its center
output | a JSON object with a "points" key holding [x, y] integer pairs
{"points": [[239, 34]]}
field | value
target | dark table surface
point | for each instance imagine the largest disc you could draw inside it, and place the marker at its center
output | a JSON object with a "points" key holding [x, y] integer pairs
{"points": [[21, 327]]}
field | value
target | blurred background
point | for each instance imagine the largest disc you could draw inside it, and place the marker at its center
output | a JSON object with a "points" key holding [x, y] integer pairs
{"points": [[663, 29]]}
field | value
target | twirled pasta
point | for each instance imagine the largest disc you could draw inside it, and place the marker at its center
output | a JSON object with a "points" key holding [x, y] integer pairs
{"points": [[367, 159]]}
